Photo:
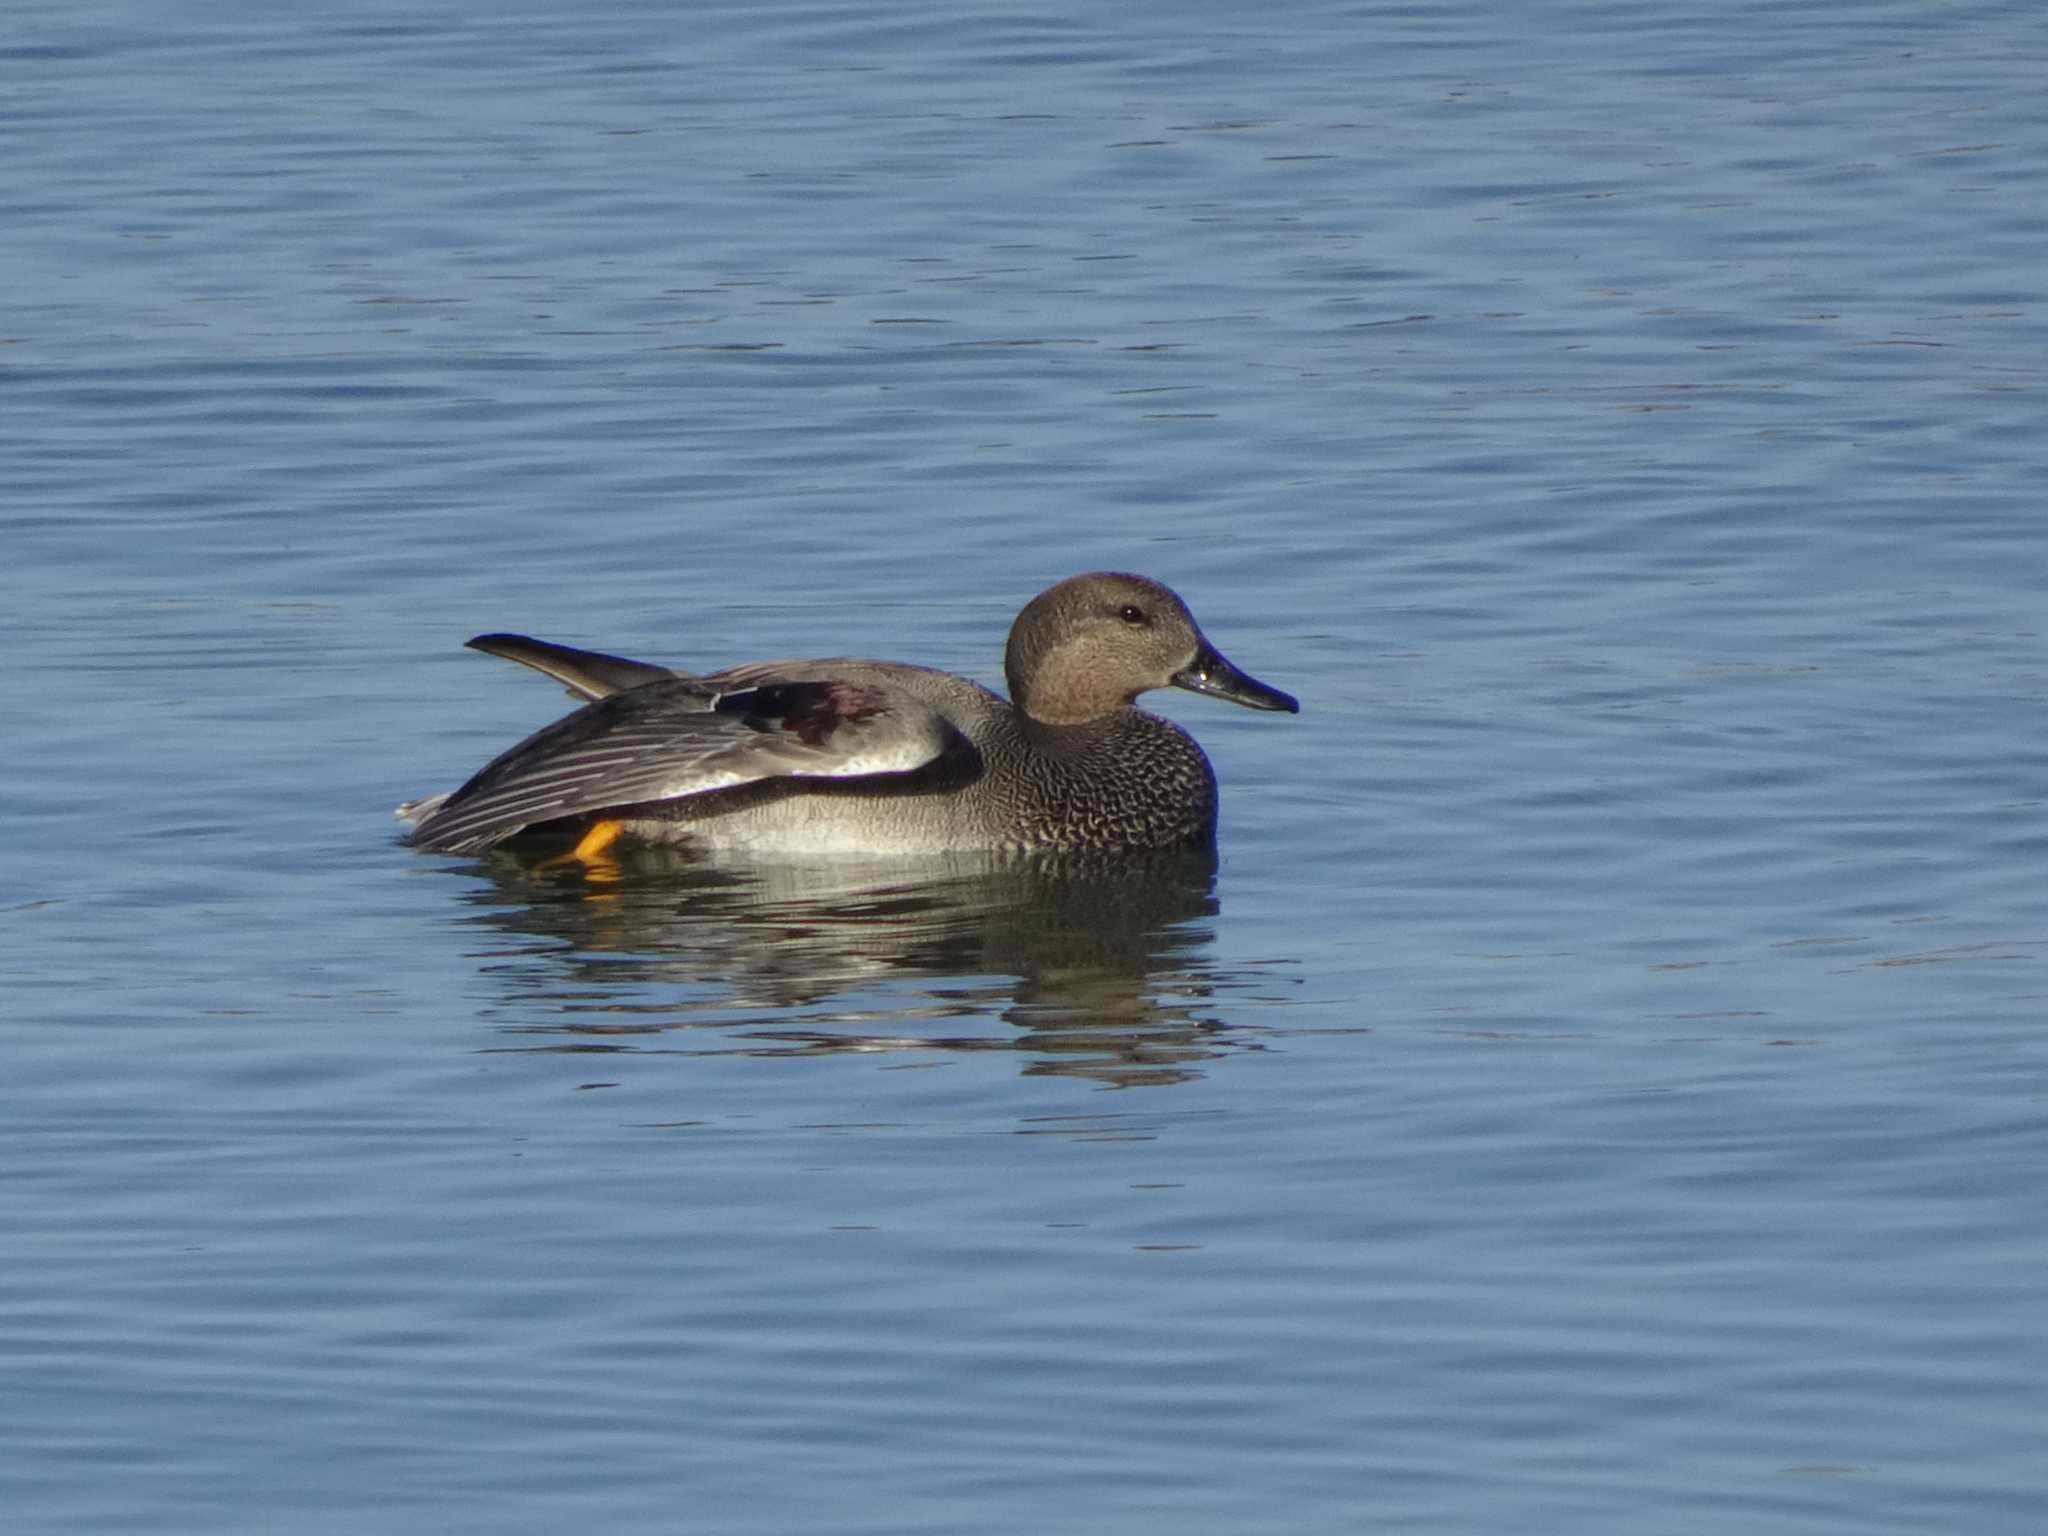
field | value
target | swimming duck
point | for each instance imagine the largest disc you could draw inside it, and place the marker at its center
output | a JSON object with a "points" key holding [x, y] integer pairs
{"points": [[873, 757]]}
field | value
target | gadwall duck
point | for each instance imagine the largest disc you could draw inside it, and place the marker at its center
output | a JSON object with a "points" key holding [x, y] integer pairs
{"points": [[873, 757]]}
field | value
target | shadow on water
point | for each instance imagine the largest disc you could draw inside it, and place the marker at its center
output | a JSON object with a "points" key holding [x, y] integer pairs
{"points": [[1095, 971]]}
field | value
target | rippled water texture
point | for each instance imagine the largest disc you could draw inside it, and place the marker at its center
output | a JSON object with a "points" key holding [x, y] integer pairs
{"points": [[1597, 1088]]}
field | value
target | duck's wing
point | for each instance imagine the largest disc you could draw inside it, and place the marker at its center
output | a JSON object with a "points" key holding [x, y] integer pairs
{"points": [[586, 674], [676, 737]]}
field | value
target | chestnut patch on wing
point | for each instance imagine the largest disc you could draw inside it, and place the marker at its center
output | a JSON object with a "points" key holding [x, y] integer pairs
{"points": [[811, 712]]}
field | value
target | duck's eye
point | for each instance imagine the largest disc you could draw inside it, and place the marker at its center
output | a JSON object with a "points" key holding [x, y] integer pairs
{"points": [[1131, 613]]}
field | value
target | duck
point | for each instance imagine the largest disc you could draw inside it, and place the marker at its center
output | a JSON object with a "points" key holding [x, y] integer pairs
{"points": [[845, 755]]}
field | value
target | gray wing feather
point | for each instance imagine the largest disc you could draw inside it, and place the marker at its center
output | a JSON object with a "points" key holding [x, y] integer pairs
{"points": [[675, 738], [586, 674]]}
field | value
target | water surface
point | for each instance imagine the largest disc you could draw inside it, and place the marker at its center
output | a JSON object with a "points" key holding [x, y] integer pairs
{"points": [[1599, 1085]]}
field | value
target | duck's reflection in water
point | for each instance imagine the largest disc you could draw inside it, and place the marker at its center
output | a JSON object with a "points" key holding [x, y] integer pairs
{"points": [[1094, 970]]}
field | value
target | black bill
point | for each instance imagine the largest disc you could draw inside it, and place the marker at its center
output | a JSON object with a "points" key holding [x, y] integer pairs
{"points": [[1209, 673]]}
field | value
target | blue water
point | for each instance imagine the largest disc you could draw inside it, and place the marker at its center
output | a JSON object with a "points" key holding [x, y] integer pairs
{"points": [[1601, 1087]]}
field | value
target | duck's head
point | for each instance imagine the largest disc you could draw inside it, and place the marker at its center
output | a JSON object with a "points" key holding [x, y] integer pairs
{"points": [[1093, 643]]}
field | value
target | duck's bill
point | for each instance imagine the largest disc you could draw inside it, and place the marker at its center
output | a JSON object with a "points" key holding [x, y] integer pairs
{"points": [[1209, 673]]}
